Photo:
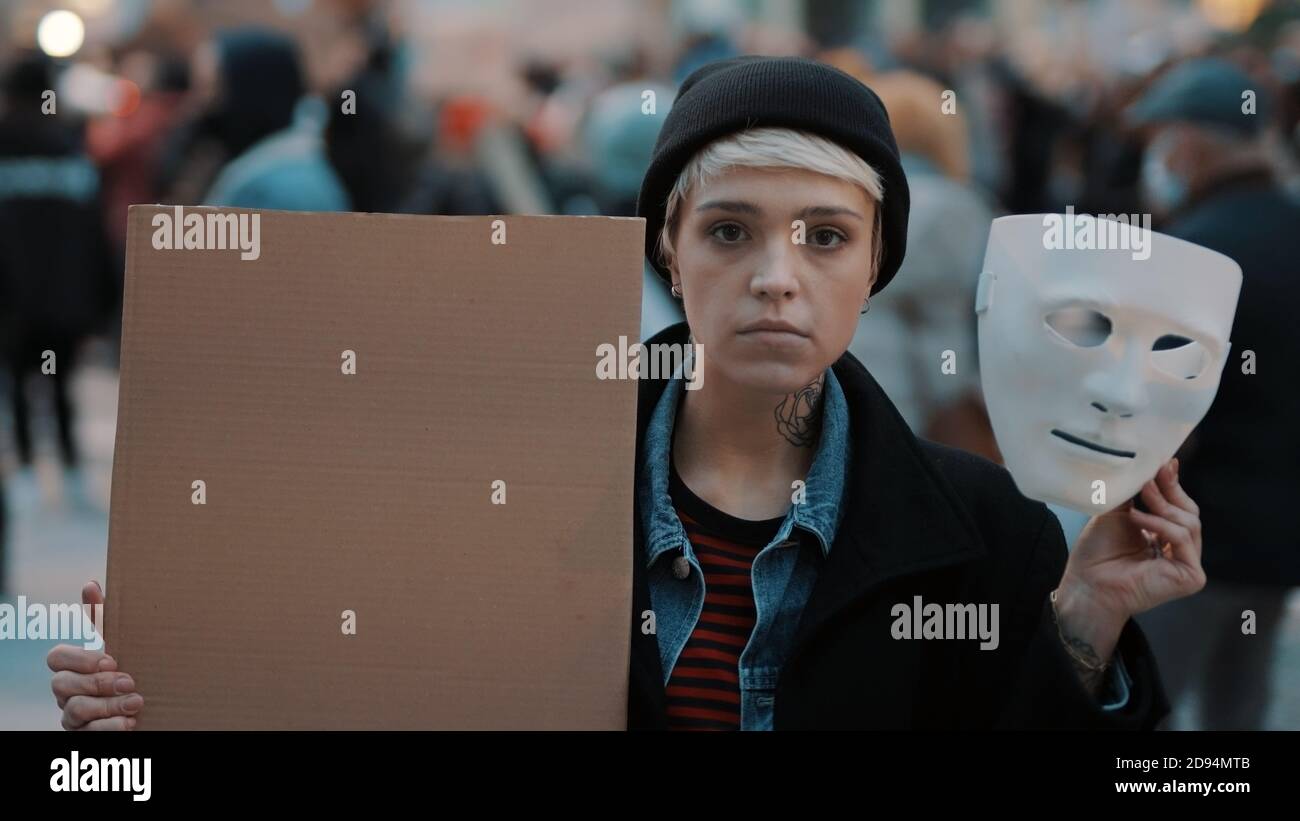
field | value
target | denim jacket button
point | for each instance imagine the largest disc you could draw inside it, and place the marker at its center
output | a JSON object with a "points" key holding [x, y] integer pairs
{"points": [[681, 567]]}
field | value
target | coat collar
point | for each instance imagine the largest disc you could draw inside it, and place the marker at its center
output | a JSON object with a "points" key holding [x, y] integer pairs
{"points": [[900, 515]]}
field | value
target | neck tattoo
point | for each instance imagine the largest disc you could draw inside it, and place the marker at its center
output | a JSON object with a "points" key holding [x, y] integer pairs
{"points": [[798, 417]]}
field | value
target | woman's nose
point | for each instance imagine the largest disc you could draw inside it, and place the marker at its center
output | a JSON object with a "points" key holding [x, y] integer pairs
{"points": [[776, 274]]}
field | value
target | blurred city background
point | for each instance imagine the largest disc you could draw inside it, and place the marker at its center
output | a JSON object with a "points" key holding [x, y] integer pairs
{"points": [[535, 106]]}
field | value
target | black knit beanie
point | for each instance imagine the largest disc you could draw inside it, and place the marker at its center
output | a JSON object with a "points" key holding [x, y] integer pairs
{"points": [[740, 93]]}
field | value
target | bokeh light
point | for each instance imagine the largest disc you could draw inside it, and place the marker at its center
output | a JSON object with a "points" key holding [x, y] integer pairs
{"points": [[60, 33]]}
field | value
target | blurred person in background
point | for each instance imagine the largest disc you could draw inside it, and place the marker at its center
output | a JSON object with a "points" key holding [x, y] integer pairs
{"points": [[707, 34], [969, 43], [127, 144], [263, 106], [1033, 124], [257, 138], [903, 338], [559, 95], [1110, 157], [1207, 173], [1286, 65], [618, 135], [488, 161], [56, 277], [449, 181], [366, 144]]}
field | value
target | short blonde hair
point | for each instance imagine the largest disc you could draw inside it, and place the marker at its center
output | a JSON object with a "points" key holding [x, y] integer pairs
{"points": [[771, 147]]}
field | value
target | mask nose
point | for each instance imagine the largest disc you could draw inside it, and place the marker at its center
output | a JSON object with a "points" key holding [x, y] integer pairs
{"points": [[1104, 409], [1120, 391]]}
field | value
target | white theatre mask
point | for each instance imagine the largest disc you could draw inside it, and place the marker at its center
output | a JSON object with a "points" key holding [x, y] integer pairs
{"points": [[1098, 360]]}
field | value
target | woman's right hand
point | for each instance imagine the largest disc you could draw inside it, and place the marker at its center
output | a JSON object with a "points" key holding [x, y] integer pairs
{"points": [[88, 687]]}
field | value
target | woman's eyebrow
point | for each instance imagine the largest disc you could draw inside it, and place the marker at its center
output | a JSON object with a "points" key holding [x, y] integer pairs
{"points": [[740, 206], [828, 211], [730, 205]]}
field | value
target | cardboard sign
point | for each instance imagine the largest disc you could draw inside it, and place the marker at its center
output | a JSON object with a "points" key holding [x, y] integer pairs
{"points": [[366, 475]]}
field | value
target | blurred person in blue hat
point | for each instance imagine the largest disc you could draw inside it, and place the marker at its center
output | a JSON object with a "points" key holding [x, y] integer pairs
{"points": [[1208, 175]]}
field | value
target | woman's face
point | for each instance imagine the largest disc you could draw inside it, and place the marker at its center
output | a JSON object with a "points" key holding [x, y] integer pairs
{"points": [[769, 312]]}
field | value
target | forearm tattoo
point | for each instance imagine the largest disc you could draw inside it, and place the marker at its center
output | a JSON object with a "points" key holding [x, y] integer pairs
{"points": [[1091, 678], [798, 417]]}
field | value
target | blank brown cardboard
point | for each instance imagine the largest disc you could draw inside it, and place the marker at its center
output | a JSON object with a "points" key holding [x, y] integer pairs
{"points": [[372, 492]]}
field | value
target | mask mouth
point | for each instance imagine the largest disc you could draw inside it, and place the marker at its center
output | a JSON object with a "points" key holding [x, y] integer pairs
{"points": [[1074, 440]]}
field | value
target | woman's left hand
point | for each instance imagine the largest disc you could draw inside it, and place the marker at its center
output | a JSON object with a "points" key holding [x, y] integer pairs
{"points": [[1116, 571]]}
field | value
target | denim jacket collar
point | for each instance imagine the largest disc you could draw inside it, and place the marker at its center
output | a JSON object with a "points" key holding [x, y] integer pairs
{"points": [[819, 514]]}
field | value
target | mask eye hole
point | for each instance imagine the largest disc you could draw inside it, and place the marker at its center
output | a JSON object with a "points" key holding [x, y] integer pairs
{"points": [[1080, 326], [1179, 356]]}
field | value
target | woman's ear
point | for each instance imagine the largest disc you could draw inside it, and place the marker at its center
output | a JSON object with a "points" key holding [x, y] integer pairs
{"points": [[875, 273], [877, 248]]}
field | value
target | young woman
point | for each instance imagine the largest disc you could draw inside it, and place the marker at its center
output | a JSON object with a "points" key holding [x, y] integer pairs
{"points": [[790, 528]]}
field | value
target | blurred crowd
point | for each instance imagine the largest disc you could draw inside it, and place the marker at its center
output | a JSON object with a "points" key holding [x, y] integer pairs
{"points": [[988, 124]]}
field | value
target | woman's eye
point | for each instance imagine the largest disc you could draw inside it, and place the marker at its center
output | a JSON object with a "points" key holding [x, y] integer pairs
{"points": [[828, 238], [728, 232]]}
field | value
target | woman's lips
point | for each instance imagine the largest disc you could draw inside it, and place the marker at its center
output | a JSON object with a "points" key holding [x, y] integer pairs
{"points": [[1075, 440], [775, 339], [772, 326]]}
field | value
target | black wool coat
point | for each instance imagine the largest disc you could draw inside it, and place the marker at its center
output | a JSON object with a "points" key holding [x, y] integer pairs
{"points": [[925, 520]]}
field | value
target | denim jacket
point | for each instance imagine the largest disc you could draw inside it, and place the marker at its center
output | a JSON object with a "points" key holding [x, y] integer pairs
{"points": [[783, 572]]}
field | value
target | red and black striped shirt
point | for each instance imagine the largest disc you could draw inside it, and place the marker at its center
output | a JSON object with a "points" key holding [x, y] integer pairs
{"points": [[704, 688]]}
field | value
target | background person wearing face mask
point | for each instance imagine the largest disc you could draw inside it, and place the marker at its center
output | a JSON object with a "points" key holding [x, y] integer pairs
{"points": [[1206, 173]]}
